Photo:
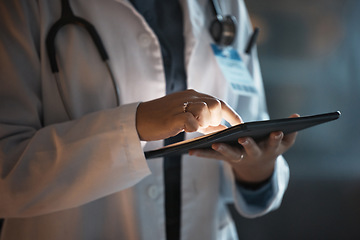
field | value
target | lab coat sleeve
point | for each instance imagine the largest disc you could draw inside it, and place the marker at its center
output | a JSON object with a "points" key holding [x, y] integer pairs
{"points": [[50, 168]]}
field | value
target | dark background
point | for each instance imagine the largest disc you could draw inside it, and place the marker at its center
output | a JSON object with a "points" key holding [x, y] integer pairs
{"points": [[310, 58]]}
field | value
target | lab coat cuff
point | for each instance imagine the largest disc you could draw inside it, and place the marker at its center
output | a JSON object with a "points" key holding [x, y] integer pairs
{"points": [[135, 152], [255, 203]]}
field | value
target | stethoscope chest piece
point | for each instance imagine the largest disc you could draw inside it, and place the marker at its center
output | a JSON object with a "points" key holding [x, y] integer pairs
{"points": [[223, 30]]}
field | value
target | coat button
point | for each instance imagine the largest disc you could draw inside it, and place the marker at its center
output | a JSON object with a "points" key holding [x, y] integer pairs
{"points": [[153, 191], [144, 40]]}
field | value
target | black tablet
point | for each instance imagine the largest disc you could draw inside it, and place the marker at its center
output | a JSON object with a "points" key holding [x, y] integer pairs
{"points": [[257, 130]]}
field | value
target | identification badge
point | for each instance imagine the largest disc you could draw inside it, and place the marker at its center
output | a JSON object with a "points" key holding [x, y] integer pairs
{"points": [[234, 70]]}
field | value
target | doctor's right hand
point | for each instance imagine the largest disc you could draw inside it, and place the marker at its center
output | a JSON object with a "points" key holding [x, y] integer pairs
{"points": [[188, 111]]}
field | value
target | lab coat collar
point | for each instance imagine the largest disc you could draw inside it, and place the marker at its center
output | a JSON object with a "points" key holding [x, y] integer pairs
{"points": [[194, 21]]}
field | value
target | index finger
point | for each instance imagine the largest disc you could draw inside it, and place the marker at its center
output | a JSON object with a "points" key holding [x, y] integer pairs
{"points": [[229, 114]]}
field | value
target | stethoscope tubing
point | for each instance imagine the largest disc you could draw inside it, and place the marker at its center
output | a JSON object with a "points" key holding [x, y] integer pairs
{"points": [[68, 17]]}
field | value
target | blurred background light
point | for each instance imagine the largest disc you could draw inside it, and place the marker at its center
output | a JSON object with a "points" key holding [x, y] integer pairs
{"points": [[310, 58]]}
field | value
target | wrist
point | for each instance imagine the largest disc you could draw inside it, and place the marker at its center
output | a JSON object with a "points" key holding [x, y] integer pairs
{"points": [[253, 185], [253, 175]]}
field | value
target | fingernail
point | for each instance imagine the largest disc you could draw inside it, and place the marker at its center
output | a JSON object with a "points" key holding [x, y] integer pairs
{"points": [[216, 147], [277, 137], [193, 153], [244, 141]]}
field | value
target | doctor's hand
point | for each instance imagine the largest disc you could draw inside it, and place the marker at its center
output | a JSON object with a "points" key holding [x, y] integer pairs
{"points": [[252, 162], [187, 111]]}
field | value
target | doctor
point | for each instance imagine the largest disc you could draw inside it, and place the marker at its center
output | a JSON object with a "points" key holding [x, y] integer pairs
{"points": [[71, 160]]}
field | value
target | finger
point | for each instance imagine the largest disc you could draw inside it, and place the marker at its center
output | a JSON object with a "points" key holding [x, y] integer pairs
{"points": [[227, 151], [215, 110], [183, 122], [200, 111], [274, 142], [295, 115], [250, 146], [211, 129], [206, 153], [190, 123], [227, 112], [289, 139], [230, 115], [207, 111]]}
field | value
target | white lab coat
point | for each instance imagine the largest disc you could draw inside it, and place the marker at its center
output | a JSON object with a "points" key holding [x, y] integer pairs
{"points": [[88, 178]]}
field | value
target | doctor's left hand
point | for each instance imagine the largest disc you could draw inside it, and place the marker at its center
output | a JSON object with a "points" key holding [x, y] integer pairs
{"points": [[252, 163]]}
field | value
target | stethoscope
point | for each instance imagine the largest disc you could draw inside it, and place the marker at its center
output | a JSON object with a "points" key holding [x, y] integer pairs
{"points": [[68, 17], [222, 30]]}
